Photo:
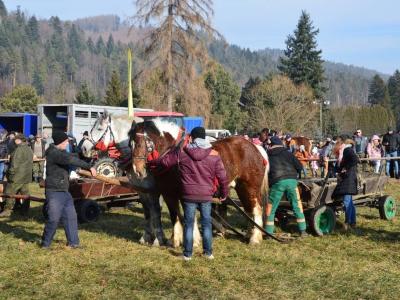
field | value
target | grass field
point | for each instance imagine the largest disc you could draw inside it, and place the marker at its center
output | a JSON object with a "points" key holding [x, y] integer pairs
{"points": [[357, 264]]}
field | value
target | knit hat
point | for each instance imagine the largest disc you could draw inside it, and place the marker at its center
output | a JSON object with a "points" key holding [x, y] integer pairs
{"points": [[86, 133], [302, 147], [20, 136], [31, 136], [198, 132], [344, 137], [70, 135], [329, 136], [59, 137], [275, 140], [375, 137], [390, 128]]}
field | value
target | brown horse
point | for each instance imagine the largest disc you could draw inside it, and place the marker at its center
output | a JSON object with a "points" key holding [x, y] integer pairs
{"points": [[243, 162], [301, 140]]}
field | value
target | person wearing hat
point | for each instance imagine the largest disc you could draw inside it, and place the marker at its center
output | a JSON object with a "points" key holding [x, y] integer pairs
{"points": [[347, 181], [84, 138], [19, 176], [59, 202], [375, 150], [282, 179], [39, 150], [10, 141], [391, 142], [3, 157], [199, 165], [290, 144], [72, 144]]}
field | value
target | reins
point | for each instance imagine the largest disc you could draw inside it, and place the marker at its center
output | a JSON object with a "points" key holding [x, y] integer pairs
{"points": [[102, 138]]}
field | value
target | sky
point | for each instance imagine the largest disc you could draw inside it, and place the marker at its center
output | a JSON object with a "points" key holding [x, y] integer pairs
{"points": [[363, 33]]}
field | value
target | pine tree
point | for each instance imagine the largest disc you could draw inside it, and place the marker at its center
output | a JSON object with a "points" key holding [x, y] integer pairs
{"points": [[110, 45], [21, 99], [175, 44], [75, 42], [394, 94], [303, 63], [115, 93], [3, 10], [85, 94], [379, 93], [32, 29]]}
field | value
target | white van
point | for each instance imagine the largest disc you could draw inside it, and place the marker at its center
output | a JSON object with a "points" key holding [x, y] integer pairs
{"points": [[218, 133]]}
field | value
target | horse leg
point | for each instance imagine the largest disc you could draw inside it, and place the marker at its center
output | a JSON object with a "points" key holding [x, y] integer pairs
{"points": [[148, 236], [155, 208], [177, 221], [256, 234]]}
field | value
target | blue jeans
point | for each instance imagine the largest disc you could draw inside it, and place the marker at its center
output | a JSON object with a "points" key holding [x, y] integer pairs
{"points": [[396, 166], [60, 206], [189, 209], [350, 209], [1, 169]]}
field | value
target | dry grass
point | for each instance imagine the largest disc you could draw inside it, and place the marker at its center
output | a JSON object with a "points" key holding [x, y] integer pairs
{"points": [[359, 264]]}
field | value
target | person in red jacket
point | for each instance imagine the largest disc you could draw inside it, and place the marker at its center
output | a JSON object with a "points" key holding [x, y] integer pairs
{"points": [[199, 165]]}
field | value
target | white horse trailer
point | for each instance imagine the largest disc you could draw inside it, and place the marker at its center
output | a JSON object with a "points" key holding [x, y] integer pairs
{"points": [[74, 118]]}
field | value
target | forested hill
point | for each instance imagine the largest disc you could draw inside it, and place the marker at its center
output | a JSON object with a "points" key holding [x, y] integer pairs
{"points": [[56, 57]]}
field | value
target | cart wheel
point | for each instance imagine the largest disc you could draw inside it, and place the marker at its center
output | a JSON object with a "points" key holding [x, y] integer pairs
{"points": [[45, 210], [106, 167], [88, 211], [322, 220], [387, 207]]}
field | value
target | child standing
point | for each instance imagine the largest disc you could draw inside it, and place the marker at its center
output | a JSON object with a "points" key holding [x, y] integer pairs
{"points": [[314, 164]]}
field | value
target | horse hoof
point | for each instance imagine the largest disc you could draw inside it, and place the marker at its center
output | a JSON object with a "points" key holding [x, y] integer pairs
{"points": [[254, 243]]}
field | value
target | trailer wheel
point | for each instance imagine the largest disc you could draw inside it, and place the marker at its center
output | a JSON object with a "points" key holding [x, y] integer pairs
{"points": [[106, 167], [88, 211], [387, 207], [322, 220]]}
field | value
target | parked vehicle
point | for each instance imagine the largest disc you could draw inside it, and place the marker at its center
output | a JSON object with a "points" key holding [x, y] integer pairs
{"points": [[21, 122]]}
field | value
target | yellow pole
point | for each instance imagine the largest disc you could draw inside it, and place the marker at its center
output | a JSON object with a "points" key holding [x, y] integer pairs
{"points": [[130, 101]]}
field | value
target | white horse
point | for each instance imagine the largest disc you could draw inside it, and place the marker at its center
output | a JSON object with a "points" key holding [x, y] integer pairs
{"points": [[110, 129]]}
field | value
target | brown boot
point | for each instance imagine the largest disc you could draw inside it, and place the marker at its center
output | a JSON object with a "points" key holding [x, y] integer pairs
{"points": [[346, 226], [353, 225]]}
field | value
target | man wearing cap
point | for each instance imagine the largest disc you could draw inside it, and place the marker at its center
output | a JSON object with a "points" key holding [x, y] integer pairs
{"points": [[84, 138], [391, 142], [290, 144], [19, 176], [199, 165], [361, 147], [282, 179], [72, 144], [59, 202], [39, 148]]}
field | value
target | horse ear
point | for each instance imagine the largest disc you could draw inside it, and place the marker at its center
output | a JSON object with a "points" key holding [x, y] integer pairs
{"points": [[105, 114]]}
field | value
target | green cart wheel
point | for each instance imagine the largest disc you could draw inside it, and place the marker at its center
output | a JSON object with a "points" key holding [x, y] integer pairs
{"points": [[387, 207], [322, 220]]}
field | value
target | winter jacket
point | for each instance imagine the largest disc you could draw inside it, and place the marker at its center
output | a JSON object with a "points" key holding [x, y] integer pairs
{"points": [[375, 151], [44, 147], [73, 146], [21, 164], [348, 183], [300, 155], [291, 146], [393, 140], [328, 150], [199, 165], [3, 150], [361, 143], [57, 166], [282, 165]]}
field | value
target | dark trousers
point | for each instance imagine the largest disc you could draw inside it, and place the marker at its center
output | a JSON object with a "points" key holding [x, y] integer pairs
{"points": [[60, 206]]}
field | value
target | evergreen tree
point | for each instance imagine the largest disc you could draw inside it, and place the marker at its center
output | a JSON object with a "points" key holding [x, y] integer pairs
{"points": [[101, 47], [110, 45], [90, 45], [21, 99], [40, 76], [85, 94], [56, 22], [303, 63], [32, 30], [72, 68], [3, 10], [115, 93], [75, 42], [379, 93], [247, 88], [394, 94]]}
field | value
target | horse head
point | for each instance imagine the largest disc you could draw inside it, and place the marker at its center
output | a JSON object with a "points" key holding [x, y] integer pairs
{"points": [[151, 139]]}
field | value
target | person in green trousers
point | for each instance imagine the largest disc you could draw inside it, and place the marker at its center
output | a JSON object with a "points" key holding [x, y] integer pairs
{"points": [[282, 179]]}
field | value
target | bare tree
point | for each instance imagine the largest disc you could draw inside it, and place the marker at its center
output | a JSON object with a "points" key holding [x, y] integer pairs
{"points": [[281, 105], [176, 43]]}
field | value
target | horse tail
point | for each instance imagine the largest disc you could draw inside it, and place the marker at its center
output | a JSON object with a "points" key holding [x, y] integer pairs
{"points": [[265, 186]]}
